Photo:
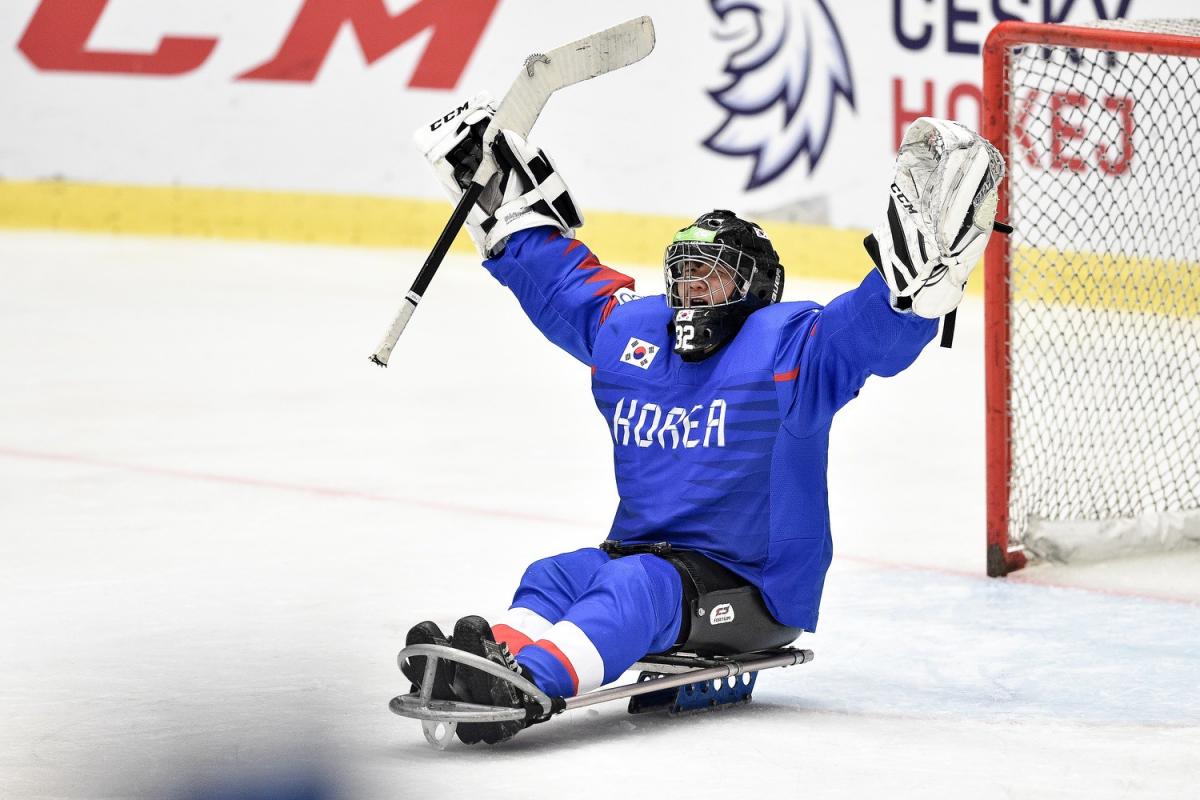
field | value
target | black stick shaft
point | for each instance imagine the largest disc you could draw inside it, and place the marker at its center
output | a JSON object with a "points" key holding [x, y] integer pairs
{"points": [[442, 246], [428, 270]]}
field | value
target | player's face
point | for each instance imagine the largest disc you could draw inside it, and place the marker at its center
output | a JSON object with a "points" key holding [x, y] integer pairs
{"points": [[703, 284]]}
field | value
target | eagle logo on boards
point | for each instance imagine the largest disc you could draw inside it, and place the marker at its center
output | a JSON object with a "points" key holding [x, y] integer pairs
{"points": [[787, 69], [639, 353]]}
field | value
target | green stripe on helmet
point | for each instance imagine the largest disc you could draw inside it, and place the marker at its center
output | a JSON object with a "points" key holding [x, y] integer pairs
{"points": [[695, 234]]}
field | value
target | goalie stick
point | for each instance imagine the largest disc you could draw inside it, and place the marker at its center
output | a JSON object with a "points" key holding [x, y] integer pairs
{"points": [[541, 76]]}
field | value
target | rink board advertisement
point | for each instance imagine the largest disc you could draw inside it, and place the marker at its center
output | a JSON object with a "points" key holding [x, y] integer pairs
{"points": [[293, 119]]}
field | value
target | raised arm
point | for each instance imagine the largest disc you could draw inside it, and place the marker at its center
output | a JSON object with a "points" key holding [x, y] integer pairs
{"points": [[561, 286], [941, 210], [524, 228], [826, 354]]}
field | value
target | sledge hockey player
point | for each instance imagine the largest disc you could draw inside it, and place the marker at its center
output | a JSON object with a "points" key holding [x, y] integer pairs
{"points": [[719, 400]]}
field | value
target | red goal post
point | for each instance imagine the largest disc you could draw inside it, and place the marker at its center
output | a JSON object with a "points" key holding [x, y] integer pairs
{"points": [[1092, 306]]}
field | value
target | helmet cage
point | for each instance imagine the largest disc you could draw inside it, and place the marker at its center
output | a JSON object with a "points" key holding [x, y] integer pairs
{"points": [[714, 265]]}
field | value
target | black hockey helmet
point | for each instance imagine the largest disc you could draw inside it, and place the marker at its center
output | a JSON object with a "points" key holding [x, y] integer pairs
{"points": [[719, 270]]}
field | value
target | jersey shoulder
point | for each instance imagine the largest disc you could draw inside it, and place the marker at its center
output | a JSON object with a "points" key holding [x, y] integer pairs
{"points": [[632, 310], [780, 318], [632, 322]]}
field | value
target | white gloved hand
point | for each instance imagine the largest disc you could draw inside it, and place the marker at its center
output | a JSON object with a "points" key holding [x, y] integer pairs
{"points": [[533, 193], [453, 146], [940, 215], [526, 192]]}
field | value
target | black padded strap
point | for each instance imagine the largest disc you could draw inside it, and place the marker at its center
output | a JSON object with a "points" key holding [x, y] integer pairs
{"points": [[948, 328], [705, 584], [664, 550], [700, 574]]}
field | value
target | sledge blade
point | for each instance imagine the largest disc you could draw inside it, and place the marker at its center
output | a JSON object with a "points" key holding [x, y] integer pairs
{"points": [[680, 675], [676, 682], [414, 706], [699, 696]]}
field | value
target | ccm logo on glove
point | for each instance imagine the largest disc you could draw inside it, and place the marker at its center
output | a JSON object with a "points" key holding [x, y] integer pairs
{"points": [[903, 199], [437, 123]]}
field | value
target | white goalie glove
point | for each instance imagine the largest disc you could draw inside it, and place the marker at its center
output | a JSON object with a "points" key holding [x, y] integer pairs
{"points": [[527, 192], [940, 215]]}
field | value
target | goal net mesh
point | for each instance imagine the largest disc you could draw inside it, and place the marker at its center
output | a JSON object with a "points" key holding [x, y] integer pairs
{"points": [[1104, 278]]}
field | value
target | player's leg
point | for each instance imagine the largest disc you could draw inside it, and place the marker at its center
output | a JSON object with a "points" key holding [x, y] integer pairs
{"points": [[632, 606], [548, 588]]}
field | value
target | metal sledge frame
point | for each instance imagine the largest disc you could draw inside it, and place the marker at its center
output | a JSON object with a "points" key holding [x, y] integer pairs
{"points": [[440, 718], [699, 695]]}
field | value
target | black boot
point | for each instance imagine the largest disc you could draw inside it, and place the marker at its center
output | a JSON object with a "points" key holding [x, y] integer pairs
{"points": [[473, 635], [414, 668]]}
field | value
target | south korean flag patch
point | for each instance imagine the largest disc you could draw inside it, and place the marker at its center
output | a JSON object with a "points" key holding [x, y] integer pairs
{"points": [[638, 353]]}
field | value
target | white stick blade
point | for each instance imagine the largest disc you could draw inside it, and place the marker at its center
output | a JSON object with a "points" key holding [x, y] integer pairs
{"points": [[545, 73], [616, 47]]}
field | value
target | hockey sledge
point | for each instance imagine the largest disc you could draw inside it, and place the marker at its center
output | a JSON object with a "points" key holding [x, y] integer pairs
{"points": [[675, 683]]}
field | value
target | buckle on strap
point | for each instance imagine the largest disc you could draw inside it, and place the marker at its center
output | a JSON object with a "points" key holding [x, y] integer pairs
{"points": [[617, 549]]}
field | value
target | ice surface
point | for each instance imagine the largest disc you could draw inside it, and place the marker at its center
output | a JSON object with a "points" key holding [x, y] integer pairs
{"points": [[217, 520]]}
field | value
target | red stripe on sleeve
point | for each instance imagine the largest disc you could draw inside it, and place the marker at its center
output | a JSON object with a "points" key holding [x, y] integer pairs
{"points": [[609, 279], [780, 377], [553, 650], [512, 637], [608, 309]]}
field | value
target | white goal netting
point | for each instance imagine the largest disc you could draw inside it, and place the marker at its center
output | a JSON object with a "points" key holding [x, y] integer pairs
{"points": [[1104, 279]]}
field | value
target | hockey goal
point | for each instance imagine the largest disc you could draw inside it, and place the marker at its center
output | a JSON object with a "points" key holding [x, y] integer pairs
{"points": [[1093, 304]]}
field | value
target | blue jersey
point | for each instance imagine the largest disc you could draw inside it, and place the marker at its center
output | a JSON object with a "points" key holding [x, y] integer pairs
{"points": [[726, 456]]}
